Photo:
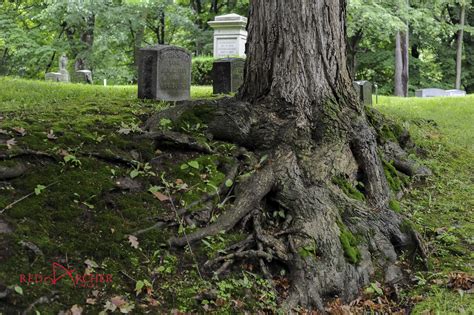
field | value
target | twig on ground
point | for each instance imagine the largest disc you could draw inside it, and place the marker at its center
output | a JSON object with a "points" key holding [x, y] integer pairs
{"points": [[41, 300], [23, 198]]}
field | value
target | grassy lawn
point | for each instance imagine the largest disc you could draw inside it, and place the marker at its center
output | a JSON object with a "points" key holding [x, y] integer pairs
{"points": [[86, 216], [443, 207]]}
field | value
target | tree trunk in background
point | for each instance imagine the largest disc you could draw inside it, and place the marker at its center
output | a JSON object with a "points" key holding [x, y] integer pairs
{"points": [[138, 39], [459, 46], [353, 45], [87, 39], [398, 66], [406, 60], [401, 64]]}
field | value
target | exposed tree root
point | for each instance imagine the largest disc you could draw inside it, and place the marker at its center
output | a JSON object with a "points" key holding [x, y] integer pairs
{"points": [[175, 139], [252, 193], [12, 172], [110, 157], [330, 243], [222, 190], [26, 152]]}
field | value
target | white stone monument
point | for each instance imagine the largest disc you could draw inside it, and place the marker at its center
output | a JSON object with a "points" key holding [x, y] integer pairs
{"points": [[230, 35]]}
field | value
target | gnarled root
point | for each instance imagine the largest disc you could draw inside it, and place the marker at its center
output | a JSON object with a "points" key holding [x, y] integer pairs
{"points": [[330, 243]]}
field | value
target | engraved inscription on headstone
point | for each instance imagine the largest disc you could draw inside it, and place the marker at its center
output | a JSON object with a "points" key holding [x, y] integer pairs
{"points": [[230, 35], [164, 73], [227, 75]]}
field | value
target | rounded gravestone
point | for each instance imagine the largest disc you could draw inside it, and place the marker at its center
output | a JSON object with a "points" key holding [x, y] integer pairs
{"points": [[164, 73]]}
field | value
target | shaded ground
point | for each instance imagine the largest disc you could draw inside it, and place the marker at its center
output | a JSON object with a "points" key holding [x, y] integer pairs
{"points": [[91, 183]]}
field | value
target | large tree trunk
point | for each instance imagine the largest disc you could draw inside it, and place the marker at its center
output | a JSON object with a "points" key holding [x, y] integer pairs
{"points": [[459, 45], [297, 106]]}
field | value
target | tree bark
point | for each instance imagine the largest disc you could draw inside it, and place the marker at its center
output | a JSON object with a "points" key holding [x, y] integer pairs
{"points": [[298, 107], [459, 45]]}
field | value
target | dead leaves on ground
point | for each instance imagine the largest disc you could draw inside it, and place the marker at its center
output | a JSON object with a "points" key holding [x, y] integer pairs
{"points": [[461, 281], [133, 240]]}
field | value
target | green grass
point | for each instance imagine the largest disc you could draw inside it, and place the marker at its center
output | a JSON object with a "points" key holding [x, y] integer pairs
{"points": [[442, 208], [82, 217], [453, 115]]}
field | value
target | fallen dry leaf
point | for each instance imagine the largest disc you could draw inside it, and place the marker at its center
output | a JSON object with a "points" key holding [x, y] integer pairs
{"points": [[76, 310], [133, 240], [19, 130], [11, 143], [50, 135], [63, 152], [91, 301], [160, 196], [118, 301]]}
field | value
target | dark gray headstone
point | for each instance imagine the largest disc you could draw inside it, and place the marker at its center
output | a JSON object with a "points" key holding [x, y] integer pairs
{"points": [[164, 73], [364, 90], [227, 75], [83, 76]]}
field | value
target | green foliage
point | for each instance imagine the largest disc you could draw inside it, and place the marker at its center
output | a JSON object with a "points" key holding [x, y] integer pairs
{"points": [[395, 205], [202, 70]]}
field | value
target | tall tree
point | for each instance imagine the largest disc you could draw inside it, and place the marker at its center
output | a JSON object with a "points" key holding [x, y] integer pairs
{"points": [[297, 109], [459, 45], [402, 43]]}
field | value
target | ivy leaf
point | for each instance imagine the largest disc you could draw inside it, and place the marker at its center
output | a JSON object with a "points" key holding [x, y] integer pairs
{"points": [[134, 173], [39, 189], [18, 289], [194, 164], [139, 286], [229, 183]]}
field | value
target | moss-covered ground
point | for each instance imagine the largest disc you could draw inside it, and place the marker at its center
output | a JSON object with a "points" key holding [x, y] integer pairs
{"points": [[83, 212], [81, 209]]}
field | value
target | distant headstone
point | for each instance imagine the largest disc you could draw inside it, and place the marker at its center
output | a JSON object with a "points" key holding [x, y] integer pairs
{"points": [[62, 75], [364, 90], [227, 75], [83, 76], [455, 93], [230, 35], [433, 92], [164, 73]]}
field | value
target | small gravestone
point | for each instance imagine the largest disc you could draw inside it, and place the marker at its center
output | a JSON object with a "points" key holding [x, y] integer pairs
{"points": [[83, 76], [230, 35], [364, 91], [431, 92], [227, 75], [164, 73], [455, 93], [62, 75]]}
